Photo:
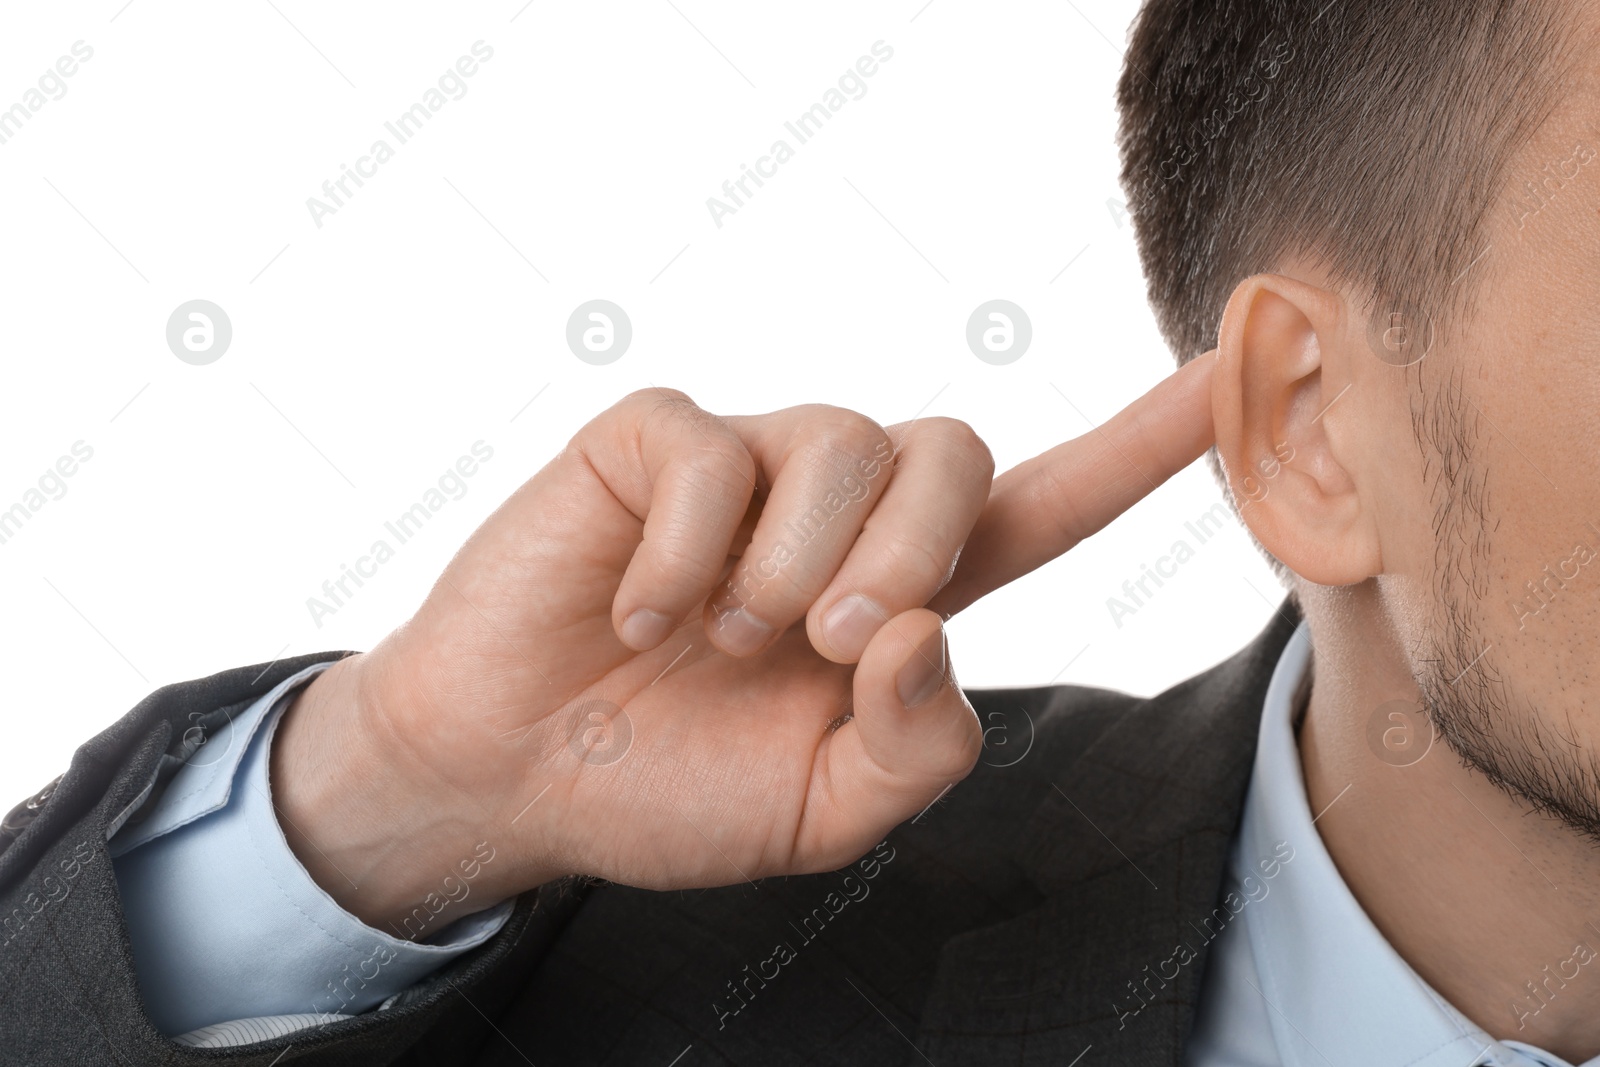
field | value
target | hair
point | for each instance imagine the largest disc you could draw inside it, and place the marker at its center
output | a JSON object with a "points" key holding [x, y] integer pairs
{"points": [[1371, 137]]}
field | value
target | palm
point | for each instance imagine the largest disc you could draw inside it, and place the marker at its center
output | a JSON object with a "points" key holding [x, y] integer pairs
{"points": [[689, 766], [721, 765]]}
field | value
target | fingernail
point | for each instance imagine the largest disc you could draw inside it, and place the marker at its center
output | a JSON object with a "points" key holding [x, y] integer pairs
{"points": [[923, 674], [850, 624], [645, 629], [740, 632]]}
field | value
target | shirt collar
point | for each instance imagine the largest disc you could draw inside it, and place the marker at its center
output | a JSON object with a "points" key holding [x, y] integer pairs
{"points": [[1336, 990]]}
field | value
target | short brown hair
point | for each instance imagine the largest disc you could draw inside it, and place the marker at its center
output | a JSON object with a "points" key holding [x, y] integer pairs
{"points": [[1372, 136]]}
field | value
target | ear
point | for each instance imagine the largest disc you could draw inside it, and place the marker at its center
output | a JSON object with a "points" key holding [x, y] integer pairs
{"points": [[1282, 363]]}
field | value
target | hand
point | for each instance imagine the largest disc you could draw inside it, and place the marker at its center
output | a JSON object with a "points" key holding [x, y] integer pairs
{"points": [[611, 677]]}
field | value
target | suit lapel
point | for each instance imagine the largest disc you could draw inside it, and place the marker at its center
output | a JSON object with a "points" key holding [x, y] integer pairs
{"points": [[1129, 848]]}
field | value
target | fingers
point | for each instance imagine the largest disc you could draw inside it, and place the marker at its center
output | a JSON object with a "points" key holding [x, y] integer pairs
{"points": [[860, 525], [1041, 508], [913, 735], [827, 467], [851, 532], [825, 547], [908, 546], [689, 478]]}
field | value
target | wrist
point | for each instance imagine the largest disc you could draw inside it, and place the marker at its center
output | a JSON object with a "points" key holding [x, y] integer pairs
{"points": [[370, 826]]}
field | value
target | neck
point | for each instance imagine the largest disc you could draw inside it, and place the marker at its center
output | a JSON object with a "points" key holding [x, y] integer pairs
{"points": [[1494, 906]]}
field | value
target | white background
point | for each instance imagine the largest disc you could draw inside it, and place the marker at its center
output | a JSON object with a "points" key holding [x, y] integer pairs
{"points": [[368, 354]]}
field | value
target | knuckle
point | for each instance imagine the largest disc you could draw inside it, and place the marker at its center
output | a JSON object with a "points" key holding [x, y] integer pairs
{"points": [[955, 432], [913, 560], [703, 441], [975, 446], [844, 435], [652, 407], [957, 438], [657, 394], [722, 463], [673, 565], [1050, 495], [674, 411]]}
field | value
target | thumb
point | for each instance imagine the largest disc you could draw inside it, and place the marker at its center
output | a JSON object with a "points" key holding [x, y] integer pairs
{"points": [[913, 736]]}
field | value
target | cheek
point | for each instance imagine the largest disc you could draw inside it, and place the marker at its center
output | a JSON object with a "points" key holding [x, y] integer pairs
{"points": [[1535, 461], [1519, 535], [1390, 471]]}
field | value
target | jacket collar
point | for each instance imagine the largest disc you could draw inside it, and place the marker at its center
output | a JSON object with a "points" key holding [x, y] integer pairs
{"points": [[1129, 847]]}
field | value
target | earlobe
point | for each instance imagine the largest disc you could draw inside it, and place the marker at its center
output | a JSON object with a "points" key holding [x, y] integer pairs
{"points": [[1282, 366]]}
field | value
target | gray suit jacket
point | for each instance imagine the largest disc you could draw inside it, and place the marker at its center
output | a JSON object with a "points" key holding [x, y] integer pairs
{"points": [[1019, 920]]}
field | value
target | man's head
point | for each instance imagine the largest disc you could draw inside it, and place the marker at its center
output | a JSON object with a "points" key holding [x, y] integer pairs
{"points": [[1376, 133], [1386, 217]]}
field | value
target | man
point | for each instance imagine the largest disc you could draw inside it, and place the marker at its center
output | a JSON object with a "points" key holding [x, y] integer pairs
{"points": [[702, 659]]}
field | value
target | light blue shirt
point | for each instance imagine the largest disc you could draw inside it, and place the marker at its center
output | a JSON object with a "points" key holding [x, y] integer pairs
{"points": [[232, 940], [1299, 975]]}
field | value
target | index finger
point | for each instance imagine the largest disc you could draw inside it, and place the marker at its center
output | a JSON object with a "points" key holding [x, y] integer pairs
{"points": [[1042, 507]]}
